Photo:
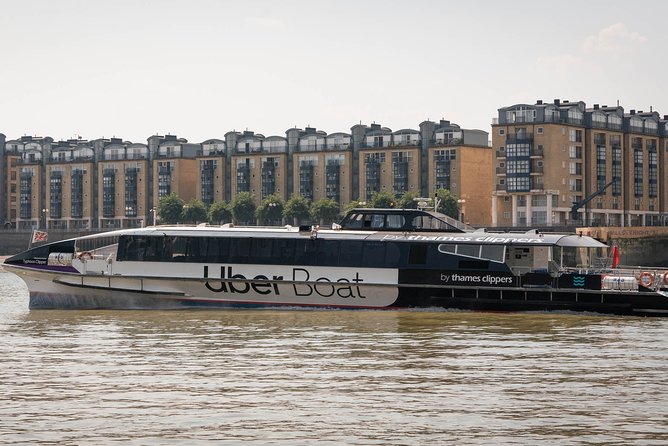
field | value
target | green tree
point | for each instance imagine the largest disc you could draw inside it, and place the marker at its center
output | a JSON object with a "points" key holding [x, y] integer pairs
{"points": [[447, 203], [352, 205], [325, 210], [194, 212], [170, 208], [243, 207], [297, 209], [219, 213], [271, 209], [382, 200], [407, 201]]}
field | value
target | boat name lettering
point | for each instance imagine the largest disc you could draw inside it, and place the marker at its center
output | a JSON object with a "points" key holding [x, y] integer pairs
{"points": [[35, 262], [261, 284], [450, 238], [487, 279]]}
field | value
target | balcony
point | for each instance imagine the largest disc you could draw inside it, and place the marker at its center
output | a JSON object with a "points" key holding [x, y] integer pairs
{"points": [[500, 153], [500, 170], [536, 170], [536, 152], [519, 138], [501, 187], [444, 142]]}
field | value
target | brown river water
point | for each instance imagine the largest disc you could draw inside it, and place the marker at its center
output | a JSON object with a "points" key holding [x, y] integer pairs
{"points": [[299, 377]]}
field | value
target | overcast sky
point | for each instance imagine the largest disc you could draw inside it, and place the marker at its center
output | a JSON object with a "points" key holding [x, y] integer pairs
{"points": [[200, 68]]}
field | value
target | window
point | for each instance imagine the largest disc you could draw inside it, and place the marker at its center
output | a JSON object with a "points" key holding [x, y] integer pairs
{"points": [[539, 130], [502, 132]]}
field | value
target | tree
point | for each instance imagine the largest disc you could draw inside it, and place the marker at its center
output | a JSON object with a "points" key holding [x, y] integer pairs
{"points": [[219, 212], [297, 208], [447, 203], [170, 208], [194, 212], [243, 207], [383, 200], [352, 205], [325, 210], [271, 209], [407, 201]]}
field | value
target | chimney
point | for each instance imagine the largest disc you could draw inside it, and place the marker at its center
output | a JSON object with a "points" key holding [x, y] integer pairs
{"points": [[539, 102], [557, 102], [633, 112], [665, 117], [566, 101], [595, 106]]}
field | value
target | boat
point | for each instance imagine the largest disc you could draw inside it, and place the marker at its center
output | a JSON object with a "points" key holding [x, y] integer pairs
{"points": [[373, 259]]}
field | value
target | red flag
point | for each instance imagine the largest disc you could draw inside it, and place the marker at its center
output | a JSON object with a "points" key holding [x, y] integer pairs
{"points": [[615, 256], [39, 236]]}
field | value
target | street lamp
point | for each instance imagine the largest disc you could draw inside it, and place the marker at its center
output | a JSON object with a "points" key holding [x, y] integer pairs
{"points": [[461, 203], [153, 212], [44, 212]]}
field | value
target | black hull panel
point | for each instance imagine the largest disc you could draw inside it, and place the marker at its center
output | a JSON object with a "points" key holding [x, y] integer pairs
{"points": [[539, 300]]}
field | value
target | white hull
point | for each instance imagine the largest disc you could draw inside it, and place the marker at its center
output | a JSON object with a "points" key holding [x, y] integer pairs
{"points": [[286, 286]]}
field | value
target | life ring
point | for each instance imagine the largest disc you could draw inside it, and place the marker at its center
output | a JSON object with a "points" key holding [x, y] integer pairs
{"points": [[665, 278], [85, 255], [646, 279]]}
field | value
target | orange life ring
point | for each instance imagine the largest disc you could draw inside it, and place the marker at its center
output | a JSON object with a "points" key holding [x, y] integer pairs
{"points": [[646, 279], [85, 255]]}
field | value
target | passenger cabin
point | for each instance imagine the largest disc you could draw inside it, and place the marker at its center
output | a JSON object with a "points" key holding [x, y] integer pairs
{"points": [[402, 220]]}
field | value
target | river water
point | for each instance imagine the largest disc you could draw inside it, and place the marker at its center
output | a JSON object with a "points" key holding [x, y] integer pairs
{"points": [[327, 377]]}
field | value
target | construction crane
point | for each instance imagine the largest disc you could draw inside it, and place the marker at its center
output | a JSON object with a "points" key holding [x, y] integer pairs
{"points": [[577, 205]]}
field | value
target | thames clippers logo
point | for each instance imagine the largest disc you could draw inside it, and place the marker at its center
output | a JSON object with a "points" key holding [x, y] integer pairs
{"points": [[301, 284], [579, 281], [477, 279]]}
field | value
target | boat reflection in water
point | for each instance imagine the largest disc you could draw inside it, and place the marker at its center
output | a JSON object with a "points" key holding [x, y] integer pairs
{"points": [[376, 258]]}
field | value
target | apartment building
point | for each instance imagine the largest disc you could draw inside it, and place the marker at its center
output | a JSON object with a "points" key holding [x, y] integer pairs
{"points": [[322, 166], [112, 183], [123, 185], [550, 157]]}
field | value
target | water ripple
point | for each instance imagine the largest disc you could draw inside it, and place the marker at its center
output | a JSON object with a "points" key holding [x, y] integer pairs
{"points": [[327, 377]]}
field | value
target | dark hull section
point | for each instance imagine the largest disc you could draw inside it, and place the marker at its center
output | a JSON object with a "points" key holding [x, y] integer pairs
{"points": [[538, 299]]}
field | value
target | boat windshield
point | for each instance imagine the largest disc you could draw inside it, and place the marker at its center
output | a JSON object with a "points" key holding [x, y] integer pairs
{"points": [[98, 246], [580, 257]]}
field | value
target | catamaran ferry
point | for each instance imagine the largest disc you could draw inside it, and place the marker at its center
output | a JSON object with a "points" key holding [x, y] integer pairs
{"points": [[376, 258]]}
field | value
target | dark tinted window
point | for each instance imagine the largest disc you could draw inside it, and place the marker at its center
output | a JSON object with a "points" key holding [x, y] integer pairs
{"points": [[350, 253], [417, 254], [305, 250], [374, 254], [239, 250], [328, 252], [284, 251]]}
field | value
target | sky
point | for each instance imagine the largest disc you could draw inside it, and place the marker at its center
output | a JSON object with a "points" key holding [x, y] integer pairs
{"points": [[201, 68]]}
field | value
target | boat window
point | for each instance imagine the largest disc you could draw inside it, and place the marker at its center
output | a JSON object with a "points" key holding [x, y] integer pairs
{"points": [[373, 254], [354, 222], [351, 253], [468, 250], [194, 247], [284, 251], [447, 248], [493, 252], [429, 223], [305, 250], [417, 254], [395, 221], [328, 252], [239, 249], [217, 249], [261, 249], [392, 255]]}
